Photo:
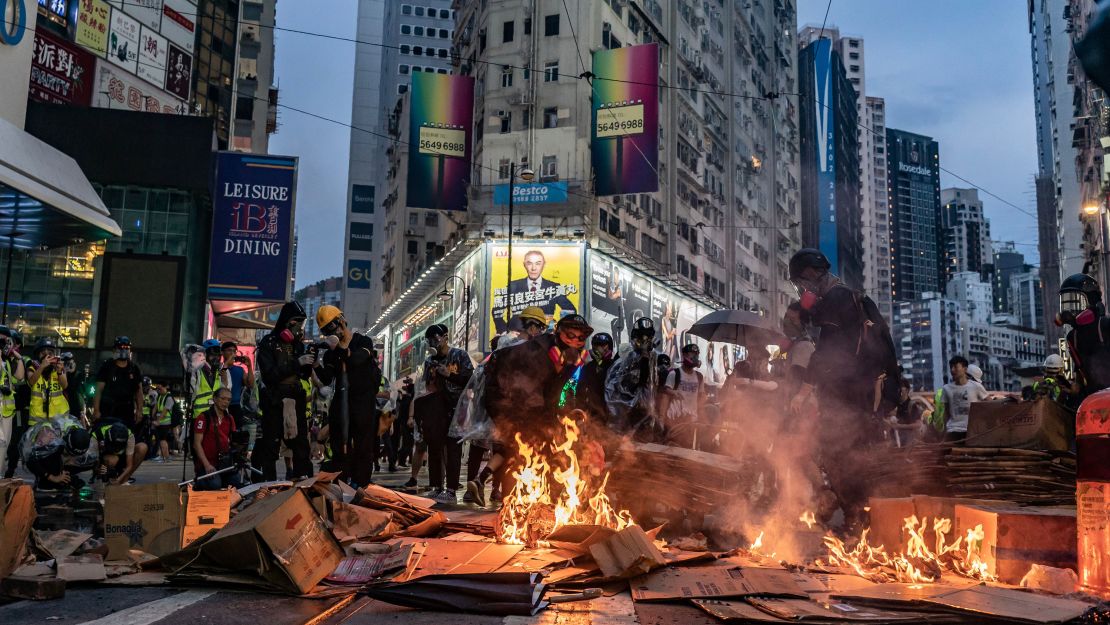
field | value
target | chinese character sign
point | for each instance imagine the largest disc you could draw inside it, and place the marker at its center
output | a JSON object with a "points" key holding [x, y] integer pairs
{"points": [[625, 138], [61, 73], [92, 25], [547, 276], [441, 111], [252, 227]]}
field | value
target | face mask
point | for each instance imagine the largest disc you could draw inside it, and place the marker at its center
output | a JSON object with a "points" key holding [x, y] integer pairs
{"points": [[286, 336], [809, 300], [123, 354], [601, 353], [691, 361], [1086, 317]]}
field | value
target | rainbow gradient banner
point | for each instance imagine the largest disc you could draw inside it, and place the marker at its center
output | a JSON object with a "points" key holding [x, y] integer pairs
{"points": [[625, 140], [441, 111]]}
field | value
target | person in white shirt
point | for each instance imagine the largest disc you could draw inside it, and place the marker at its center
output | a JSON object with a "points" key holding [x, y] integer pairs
{"points": [[957, 396]]}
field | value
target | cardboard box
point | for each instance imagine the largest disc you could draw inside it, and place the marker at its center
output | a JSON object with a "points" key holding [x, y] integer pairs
{"points": [[280, 538], [1041, 424], [86, 568], [888, 516], [1014, 539], [204, 512], [931, 508], [147, 517], [17, 515]]}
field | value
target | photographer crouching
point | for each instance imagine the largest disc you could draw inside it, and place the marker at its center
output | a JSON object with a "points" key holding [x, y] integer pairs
{"points": [[353, 418], [214, 446], [284, 362]]}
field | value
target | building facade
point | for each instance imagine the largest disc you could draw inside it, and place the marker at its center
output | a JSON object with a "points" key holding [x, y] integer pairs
{"points": [[913, 178], [1007, 262], [326, 292], [830, 149], [1027, 300], [927, 333], [973, 294], [966, 233]]}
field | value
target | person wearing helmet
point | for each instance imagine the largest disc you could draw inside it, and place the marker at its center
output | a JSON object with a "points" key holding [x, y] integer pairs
{"points": [[56, 450], [283, 361], [1082, 309], [632, 384], [48, 382], [119, 390], [119, 451], [446, 373], [591, 386], [352, 363], [239, 374], [1054, 384], [533, 321], [11, 375]]}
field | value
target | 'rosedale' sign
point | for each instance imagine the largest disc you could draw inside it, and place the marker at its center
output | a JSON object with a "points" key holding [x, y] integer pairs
{"points": [[920, 170]]}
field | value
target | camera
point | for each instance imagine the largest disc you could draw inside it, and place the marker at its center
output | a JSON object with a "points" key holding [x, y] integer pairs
{"points": [[68, 363], [317, 349], [241, 359], [236, 455]]}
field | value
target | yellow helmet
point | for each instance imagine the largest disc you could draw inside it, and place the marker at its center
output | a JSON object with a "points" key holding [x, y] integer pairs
{"points": [[326, 314], [533, 313]]}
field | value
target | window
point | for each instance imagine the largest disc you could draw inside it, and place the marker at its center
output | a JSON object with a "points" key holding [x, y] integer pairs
{"points": [[527, 122], [417, 50], [413, 219], [252, 12], [506, 77], [853, 55], [431, 219], [527, 26], [550, 117], [429, 51], [503, 169], [854, 68], [406, 29], [506, 121], [406, 9], [551, 25], [527, 72], [853, 43], [444, 33], [412, 247], [549, 170], [507, 31], [441, 71], [417, 68], [418, 31], [442, 53], [419, 11], [402, 69], [551, 71], [401, 89], [405, 49]]}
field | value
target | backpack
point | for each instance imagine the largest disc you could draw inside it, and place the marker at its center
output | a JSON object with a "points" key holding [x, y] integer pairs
{"points": [[875, 350], [678, 377]]}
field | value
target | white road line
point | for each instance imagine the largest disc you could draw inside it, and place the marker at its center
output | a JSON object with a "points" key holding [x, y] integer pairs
{"points": [[152, 611]]}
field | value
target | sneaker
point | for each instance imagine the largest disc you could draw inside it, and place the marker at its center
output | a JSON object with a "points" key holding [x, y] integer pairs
{"points": [[446, 495], [468, 498], [410, 484], [476, 491]]}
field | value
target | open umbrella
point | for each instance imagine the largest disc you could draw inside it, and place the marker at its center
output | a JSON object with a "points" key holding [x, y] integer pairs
{"points": [[740, 327], [502, 594]]}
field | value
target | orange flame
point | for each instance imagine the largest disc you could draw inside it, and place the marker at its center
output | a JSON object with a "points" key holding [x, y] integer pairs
{"points": [[919, 564], [808, 518], [531, 512]]}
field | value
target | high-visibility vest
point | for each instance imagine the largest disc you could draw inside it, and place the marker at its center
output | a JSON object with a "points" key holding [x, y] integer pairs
{"points": [[936, 420], [148, 404], [47, 399], [7, 402], [1047, 387], [203, 399], [160, 408]]}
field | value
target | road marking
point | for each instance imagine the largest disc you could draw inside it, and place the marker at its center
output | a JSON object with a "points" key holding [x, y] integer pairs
{"points": [[152, 611]]}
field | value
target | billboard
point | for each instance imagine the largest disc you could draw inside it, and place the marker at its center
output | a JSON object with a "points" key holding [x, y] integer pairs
{"points": [[179, 23], [358, 274], [362, 199], [179, 72], [123, 41], [441, 111], [152, 58], [471, 274], [826, 149], [531, 193], [362, 237], [625, 139], [544, 275], [148, 12], [118, 89], [92, 25], [252, 227], [61, 73]]}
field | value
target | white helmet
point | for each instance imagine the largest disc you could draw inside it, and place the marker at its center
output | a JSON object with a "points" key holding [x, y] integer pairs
{"points": [[975, 373], [1053, 364]]}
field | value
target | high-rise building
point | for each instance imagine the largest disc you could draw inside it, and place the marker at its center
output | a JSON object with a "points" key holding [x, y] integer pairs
{"points": [[1026, 301], [414, 38], [927, 334], [830, 153], [913, 179], [871, 129], [965, 233], [973, 294], [1007, 262], [1058, 87]]}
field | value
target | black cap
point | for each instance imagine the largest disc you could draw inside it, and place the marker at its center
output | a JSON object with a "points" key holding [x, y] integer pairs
{"points": [[663, 360], [122, 341], [435, 331], [230, 344], [807, 257], [602, 338], [77, 441]]}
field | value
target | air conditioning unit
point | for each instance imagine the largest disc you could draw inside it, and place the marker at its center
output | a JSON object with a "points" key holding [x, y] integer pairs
{"points": [[410, 232]]}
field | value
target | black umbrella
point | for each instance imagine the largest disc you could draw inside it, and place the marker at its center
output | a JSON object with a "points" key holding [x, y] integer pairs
{"points": [[501, 594], [739, 327]]}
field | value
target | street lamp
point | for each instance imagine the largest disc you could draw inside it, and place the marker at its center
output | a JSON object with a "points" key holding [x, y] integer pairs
{"points": [[527, 175], [446, 296]]}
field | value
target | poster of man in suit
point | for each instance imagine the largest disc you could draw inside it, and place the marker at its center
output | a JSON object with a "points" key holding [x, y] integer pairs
{"points": [[549, 277]]}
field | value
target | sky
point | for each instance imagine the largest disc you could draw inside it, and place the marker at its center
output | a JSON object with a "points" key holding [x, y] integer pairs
{"points": [[955, 70]]}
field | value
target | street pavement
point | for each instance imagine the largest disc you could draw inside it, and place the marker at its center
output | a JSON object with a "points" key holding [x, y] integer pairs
{"points": [[127, 605]]}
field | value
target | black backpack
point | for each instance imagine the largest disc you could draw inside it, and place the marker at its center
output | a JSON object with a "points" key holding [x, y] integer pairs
{"points": [[875, 350]]}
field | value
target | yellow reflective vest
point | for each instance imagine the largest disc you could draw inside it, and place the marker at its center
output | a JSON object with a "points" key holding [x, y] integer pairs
{"points": [[47, 399], [203, 399], [7, 402], [166, 417]]}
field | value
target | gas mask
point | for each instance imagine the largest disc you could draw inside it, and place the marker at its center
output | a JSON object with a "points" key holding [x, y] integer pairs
{"points": [[691, 359], [1074, 310], [643, 344], [123, 354], [213, 358], [601, 352]]}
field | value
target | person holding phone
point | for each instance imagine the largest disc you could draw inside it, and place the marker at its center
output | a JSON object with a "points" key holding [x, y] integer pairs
{"points": [[48, 384]]}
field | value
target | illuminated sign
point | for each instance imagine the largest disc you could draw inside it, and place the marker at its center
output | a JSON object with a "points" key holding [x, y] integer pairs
{"points": [[620, 119], [443, 140]]}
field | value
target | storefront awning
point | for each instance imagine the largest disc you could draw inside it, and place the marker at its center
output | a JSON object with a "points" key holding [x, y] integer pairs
{"points": [[45, 198]]}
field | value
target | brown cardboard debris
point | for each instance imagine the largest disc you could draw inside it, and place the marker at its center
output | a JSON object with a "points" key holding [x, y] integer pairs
{"points": [[205, 511], [627, 553], [446, 556], [33, 588], [708, 582], [1040, 424], [887, 520], [61, 543], [353, 522], [735, 611], [1012, 604], [931, 508], [87, 568], [144, 516], [578, 538], [361, 569], [17, 514], [1016, 538]]}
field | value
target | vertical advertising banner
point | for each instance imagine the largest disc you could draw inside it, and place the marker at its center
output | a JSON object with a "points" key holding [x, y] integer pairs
{"points": [[441, 110], [179, 72], [152, 58], [252, 227], [123, 41], [548, 276], [625, 144], [470, 272], [826, 150], [92, 25]]}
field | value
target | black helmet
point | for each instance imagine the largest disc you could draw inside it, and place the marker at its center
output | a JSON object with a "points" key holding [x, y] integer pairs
{"points": [[17, 337], [663, 360], [1079, 292], [5, 331], [574, 321], [807, 257], [114, 437], [601, 338], [435, 330], [691, 348], [146, 381], [643, 327], [77, 441], [44, 343]]}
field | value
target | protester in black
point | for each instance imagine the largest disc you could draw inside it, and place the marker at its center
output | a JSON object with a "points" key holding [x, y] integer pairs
{"points": [[591, 385], [119, 390], [446, 373], [283, 362], [352, 363]]}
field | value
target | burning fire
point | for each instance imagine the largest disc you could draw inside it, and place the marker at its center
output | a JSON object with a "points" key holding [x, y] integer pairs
{"points": [[919, 564], [532, 511], [808, 518]]}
